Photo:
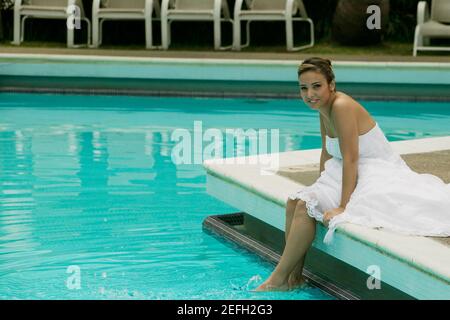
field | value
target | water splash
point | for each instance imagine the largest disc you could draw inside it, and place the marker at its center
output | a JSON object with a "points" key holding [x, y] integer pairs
{"points": [[251, 284]]}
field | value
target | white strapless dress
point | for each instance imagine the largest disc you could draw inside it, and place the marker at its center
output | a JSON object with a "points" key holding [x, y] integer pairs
{"points": [[388, 193]]}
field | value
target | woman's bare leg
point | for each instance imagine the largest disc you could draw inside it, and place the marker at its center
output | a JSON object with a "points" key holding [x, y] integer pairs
{"points": [[290, 209], [300, 233], [296, 277]]}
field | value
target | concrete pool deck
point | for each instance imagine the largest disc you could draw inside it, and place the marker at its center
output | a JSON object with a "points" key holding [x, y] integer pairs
{"points": [[416, 266], [436, 163]]}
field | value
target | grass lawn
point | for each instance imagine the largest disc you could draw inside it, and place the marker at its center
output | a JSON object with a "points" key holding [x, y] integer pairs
{"points": [[323, 47]]}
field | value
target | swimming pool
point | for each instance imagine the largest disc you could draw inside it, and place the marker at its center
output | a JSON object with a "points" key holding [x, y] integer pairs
{"points": [[88, 182]]}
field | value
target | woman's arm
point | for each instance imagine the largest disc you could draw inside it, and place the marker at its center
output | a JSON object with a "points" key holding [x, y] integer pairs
{"points": [[347, 129], [324, 155]]}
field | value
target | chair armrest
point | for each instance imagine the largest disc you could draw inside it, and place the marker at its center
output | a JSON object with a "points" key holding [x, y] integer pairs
{"points": [[17, 4], [249, 3], [423, 14], [165, 8], [157, 8], [223, 6], [149, 8], [76, 3], [95, 8], [238, 8], [290, 9], [301, 8]]}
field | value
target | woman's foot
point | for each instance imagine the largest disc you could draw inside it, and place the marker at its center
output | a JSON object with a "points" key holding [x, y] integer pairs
{"points": [[267, 286], [272, 284], [296, 282]]}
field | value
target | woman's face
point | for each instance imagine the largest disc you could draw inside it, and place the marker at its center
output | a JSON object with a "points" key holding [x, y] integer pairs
{"points": [[315, 90]]}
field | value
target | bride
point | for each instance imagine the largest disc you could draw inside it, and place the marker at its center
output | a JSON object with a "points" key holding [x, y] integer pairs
{"points": [[362, 181]]}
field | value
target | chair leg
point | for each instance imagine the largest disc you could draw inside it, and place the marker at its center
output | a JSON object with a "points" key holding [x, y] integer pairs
{"points": [[231, 45], [247, 35], [165, 33], [22, 30], [217, 34], [237, 34], [95, 32], [148, 13], [289, 35], [417, 40], [148, 33], [89, 39], [70, 38], [100, 32], [311, 26], [169, 34], [17, 27]]}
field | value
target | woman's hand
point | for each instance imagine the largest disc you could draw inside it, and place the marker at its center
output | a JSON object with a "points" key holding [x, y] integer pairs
{"points": [[329, 214]]}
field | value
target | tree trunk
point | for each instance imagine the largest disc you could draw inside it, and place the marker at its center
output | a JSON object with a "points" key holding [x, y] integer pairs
{"points": [[350, 22]]}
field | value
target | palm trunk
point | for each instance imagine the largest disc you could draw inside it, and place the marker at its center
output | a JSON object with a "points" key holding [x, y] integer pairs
{"points": [[350, 22], [1, 24]]}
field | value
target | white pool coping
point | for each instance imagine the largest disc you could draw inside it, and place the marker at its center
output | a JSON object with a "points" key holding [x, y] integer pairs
{"points": [[386, 72], [419, 255]]}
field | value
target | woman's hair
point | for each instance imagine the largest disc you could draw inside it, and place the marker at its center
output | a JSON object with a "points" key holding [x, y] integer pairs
{"points": [[316, 64]]}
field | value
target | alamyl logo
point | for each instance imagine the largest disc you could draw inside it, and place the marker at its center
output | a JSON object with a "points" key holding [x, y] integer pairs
{"points": [[374, 20]]}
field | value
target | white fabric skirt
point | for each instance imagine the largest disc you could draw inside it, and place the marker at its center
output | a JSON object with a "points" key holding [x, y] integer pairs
{"points": [[387, 195]]}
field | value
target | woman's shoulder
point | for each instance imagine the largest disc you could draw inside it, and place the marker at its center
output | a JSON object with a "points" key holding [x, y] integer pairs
{"points": [[345, 108], [344, 100], [343, 103]]}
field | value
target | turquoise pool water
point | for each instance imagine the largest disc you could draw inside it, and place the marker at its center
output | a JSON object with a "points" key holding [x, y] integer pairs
{"points": [[88, 184]]}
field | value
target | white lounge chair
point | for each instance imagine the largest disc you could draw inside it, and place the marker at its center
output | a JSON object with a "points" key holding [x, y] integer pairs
{"points": [[271, 10], [431, 26], [49, 9], [102, 10], [194, 10]]}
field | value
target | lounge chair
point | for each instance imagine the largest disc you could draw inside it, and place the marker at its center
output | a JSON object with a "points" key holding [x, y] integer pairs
{"points": [[271, 10], [48, 9], [429, 26], [102, 10], [194, 10]]}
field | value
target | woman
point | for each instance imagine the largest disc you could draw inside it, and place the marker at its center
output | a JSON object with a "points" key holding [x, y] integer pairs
{"points": [[362, 181]]}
